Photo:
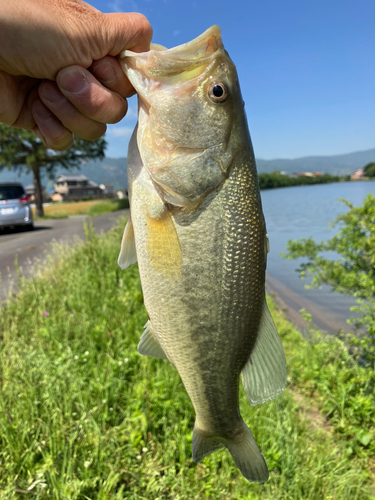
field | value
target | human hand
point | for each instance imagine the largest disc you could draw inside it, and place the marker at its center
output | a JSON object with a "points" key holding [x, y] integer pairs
{"points": [[58, 71]]}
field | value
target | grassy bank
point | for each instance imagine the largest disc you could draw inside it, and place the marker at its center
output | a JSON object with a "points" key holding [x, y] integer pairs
{"points": [[91, 208], [83, 416]]}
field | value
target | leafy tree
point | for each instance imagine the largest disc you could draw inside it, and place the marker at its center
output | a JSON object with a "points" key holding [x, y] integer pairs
{"points": [[277, 180], [370, 170], [353, 273], [22, 151]]}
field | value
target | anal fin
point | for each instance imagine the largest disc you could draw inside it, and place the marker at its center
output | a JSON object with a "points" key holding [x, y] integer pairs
{"points": [[264, 375], [149, 345], [128, 254]]}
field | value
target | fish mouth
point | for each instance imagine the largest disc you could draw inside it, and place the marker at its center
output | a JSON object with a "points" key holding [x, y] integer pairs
{"points": [[161, 62]]}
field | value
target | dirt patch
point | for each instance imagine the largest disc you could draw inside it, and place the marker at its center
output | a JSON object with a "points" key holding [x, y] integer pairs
{"points": [[310, 413]]}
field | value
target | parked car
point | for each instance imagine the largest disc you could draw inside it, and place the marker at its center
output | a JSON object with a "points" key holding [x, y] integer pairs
{"points": [[15, 207]]}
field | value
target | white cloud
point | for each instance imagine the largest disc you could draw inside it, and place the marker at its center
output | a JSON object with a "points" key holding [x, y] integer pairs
{"points": [[176, 32]]}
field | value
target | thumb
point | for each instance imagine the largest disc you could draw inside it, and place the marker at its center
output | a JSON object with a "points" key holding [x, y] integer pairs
{"points": [[122, 31]]}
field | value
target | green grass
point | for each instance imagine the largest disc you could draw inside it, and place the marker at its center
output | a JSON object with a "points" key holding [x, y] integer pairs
{"points": [[322, 370], [84, 416], [91, 208], [56, 214], [107, 206]]}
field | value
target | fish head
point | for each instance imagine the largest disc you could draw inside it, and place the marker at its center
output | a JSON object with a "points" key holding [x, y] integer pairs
{"points": [[190, 116]]}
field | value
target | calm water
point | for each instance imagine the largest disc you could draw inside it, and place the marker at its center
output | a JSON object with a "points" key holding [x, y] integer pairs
{"points": [[300, 212]]}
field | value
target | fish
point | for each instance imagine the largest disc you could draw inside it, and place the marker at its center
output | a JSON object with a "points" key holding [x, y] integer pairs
{"points": [[197, 230]]}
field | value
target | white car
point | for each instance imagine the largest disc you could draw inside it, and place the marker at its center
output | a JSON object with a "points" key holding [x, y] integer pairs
{"points": [[15, 207]]}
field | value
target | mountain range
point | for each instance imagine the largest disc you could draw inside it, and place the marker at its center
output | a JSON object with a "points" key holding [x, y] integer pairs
{"points": [[113, 170]]}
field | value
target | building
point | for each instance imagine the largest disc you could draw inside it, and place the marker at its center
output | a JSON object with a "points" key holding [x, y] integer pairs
{"points": [[75, 187], [122, 193], [358, 174], [30, 191], [107, 188], [309, 174]]}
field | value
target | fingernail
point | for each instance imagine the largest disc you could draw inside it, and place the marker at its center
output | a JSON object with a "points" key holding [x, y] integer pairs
{"points": [[105, 72], [50, 92], [72, 81]]}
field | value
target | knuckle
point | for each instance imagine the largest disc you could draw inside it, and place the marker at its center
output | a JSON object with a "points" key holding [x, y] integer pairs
{"points": [[143, 25]]}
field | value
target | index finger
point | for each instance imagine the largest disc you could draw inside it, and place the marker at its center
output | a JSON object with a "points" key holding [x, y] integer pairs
{"points": [[129, 30], [109, 73]]}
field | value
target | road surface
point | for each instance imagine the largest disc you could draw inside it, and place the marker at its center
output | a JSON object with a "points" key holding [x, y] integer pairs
{"points": [[28, 246]]}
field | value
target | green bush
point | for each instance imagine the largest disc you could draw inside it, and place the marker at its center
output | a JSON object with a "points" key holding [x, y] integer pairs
{"points": [[353, 273]]}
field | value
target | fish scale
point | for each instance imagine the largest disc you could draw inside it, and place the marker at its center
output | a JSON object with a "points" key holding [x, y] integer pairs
{"points": [[199, 236]]}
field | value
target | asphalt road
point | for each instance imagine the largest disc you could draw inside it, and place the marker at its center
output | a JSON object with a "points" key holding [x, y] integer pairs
{"points": [[28, 246]]}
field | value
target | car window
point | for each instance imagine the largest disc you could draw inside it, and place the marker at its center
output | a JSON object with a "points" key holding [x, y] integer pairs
{"points": [[11, 192]]}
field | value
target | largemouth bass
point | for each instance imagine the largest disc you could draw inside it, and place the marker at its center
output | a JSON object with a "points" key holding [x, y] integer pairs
{"points": [[198, 232]]}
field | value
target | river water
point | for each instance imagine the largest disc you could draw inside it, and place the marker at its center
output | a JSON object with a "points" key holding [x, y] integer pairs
{"points": [[299, 212]]}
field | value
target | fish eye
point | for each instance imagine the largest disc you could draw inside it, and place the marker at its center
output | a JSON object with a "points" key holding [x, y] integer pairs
{"points": [[217, 92]]}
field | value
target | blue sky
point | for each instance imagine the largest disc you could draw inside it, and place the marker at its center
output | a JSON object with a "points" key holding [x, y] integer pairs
{"points": [[306, 68]]}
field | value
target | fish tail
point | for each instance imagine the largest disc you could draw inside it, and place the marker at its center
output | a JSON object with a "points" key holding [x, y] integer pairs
{"points": [[243, 448], [204, 444], [247, 456]]}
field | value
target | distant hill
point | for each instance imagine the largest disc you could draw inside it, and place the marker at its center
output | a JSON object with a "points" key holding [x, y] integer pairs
{"points": [[334, 165], [113, 170]]}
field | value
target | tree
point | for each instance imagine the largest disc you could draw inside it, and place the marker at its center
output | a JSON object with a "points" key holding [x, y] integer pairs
{"points": [[353, 273], [369, 170], [22, 151]]}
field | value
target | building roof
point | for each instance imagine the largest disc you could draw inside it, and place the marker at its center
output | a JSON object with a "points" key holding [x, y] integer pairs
{"points": [[71, 177], [90, 185]]}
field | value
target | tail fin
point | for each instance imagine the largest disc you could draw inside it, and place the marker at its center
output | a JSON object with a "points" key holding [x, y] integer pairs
{"points": [[248, 458], [244, 451]]}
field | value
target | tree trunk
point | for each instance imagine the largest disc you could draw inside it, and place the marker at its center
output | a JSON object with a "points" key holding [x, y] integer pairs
{"points": [[38, 192]]}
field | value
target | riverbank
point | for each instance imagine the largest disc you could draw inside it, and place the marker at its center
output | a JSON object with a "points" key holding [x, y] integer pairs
{"points": [[83, 415]]}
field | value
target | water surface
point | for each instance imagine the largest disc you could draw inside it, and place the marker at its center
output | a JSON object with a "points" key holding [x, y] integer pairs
{"points": [[299, 212]]}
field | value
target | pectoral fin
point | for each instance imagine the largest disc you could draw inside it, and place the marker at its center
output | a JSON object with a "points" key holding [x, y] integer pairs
{"points": [[149, 345], [163, 245], [128, 253], [264, 375]]}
